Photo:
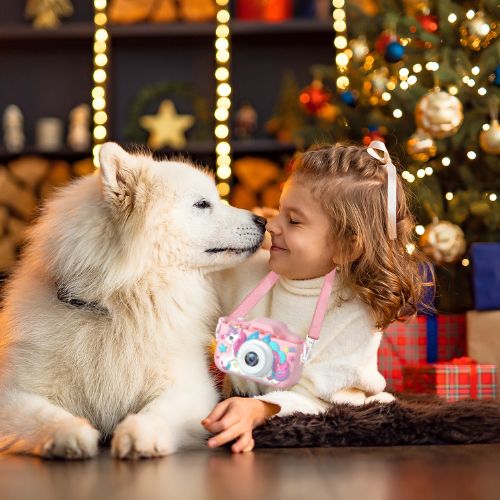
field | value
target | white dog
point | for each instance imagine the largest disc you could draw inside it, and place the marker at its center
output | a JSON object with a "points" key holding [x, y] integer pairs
{"points": [[105, 324]]}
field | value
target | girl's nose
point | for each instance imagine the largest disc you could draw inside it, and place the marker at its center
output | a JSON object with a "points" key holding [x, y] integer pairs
{"points": [[272, 225]]}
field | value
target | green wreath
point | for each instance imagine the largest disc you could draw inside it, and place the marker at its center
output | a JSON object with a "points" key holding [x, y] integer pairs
{"points": [[155, 93]]}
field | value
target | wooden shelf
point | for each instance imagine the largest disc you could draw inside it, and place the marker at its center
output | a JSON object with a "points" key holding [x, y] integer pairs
{"points": [[85, 31], [239, 147], [63, 154]]}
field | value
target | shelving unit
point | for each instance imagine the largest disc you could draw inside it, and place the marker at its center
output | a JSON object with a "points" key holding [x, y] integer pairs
{"points": [[52, 69]]}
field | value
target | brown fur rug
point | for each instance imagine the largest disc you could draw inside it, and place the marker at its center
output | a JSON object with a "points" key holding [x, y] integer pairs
{"points": [[399, 423]]}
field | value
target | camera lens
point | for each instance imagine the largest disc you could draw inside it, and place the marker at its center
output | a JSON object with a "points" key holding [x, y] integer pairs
{"points": [[251, 359], [255, 358]]}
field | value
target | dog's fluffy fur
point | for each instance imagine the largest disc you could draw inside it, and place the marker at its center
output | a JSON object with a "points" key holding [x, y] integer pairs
{"points": [[138, 239]]}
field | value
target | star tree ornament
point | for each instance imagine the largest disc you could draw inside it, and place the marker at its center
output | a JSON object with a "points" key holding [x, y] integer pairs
{"points": [[167, 128], [478, 32], [489, 140], [443, 242], [421, 146], [439, 113]]}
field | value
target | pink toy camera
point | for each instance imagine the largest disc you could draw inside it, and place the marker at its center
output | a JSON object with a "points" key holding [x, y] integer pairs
{"points": [[265, 350]]}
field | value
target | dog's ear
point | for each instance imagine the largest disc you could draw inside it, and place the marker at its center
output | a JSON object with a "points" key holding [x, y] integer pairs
{"points": [[117, 172]]}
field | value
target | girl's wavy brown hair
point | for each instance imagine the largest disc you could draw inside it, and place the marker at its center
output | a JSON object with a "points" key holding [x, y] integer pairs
{"points": [[351, 186]]}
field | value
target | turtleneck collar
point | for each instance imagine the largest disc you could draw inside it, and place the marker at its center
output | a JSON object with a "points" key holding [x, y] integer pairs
{"points": [[307, 287]]}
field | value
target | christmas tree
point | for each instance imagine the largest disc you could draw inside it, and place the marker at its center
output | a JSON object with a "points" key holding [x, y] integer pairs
{"points": [[424, 77]]}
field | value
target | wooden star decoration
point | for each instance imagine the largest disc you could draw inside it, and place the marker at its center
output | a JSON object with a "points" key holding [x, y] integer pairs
{"points": [[167, 128]]}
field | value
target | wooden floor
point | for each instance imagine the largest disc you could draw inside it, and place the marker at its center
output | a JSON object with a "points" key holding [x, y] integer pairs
{"points": [[399, 473]]}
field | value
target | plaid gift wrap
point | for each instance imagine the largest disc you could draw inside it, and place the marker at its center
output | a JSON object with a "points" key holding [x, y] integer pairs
{"points": [[423, 339], [461, 378]]}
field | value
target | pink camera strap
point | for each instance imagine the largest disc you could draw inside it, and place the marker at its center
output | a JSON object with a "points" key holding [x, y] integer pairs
{"points": [[251, 300]]}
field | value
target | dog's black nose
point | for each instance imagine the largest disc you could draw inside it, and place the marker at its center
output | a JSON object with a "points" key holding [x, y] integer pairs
{"points": [[260, 221]]}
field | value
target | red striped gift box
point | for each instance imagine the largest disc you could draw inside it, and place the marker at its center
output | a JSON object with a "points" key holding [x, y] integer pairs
{"points": [[407, 343], [461, 378]]}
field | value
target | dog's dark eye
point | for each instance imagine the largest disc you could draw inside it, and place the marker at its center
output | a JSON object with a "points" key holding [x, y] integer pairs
{"points": [[202, 204]]}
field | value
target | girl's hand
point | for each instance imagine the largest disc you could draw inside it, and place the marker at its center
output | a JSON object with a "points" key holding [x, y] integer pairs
{"points": [[235, 418]]}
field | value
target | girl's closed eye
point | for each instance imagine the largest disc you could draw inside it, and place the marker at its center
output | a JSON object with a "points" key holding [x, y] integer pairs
{"points": [[293, 221]]}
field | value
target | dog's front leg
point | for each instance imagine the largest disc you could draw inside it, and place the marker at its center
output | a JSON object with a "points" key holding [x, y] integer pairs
{"points": [[167, 423], [30, 424]]}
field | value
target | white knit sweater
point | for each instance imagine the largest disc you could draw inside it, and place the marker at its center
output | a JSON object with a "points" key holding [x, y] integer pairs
{"points": [[344, 358]]}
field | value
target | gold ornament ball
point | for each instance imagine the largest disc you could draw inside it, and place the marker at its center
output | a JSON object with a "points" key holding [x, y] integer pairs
{"points": [[421, 146], [414, 7], [478, 32], [443, 242], [439, 114], [490, 139]]}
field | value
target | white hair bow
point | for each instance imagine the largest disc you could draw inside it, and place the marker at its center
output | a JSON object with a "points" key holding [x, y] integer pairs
{"points": [[391, 183]]}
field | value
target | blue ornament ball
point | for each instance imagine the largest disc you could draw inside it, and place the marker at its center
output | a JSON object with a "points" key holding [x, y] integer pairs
{"points": [[348, 97], [394, 52], [496, 76]]}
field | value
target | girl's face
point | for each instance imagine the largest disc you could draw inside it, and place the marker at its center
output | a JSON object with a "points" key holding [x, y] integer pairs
{"points": [[302, 244]]}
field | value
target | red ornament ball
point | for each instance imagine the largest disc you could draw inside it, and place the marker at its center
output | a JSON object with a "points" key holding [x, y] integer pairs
{"points": [[383, 41], [429, 23], [314, 97]]}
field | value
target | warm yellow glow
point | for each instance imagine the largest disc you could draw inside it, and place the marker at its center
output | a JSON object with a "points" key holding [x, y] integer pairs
{"points": [[403, 73], [100, 132], [222, 56], [222, 44], [412, 80], [223, 188], [221, 131], [386, 96], [221, 114], [342, 82], [101, 60], [471, 155], [224, 102], [481, 91], [101, 35], [486, 126], [471, 82], [221, 74], [224, 90], [100, 47], [470, 14], [224, 172], [446, 161], [429, 171], [222, 31], [475, 70], [339, 14], [98, 92], [222, 3], [339, 26], [100, 4], [223, 161], [391, 85], [410, 248], [420, 173], [340, 42], [465, 262], [453, 90], [342, 59], [98, 103], [100, 118], [493, 197], [452, 17], [417, 68], [223, 16], [223, 148], [99, 76], [100, 19], [404, 85], [420, 230], [449, 196], [338, 4]]}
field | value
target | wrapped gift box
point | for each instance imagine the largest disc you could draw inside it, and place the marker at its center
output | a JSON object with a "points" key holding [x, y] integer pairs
{"points": [[423, 339], [483, 337], [486, 275], [461, 378]]}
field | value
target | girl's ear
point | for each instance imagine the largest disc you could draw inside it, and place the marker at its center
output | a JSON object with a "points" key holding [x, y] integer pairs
{"points": [[117, 172]]}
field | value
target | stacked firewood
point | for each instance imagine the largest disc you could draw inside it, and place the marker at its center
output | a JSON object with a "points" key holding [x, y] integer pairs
{"points": [[24, 184]]}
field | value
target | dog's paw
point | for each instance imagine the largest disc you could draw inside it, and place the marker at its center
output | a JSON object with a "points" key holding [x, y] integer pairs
{"points": [[71, 438], [381, 397], [142, 436]]}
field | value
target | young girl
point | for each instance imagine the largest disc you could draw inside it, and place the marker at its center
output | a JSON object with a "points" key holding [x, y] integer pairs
{"points": [[344, 206]]}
